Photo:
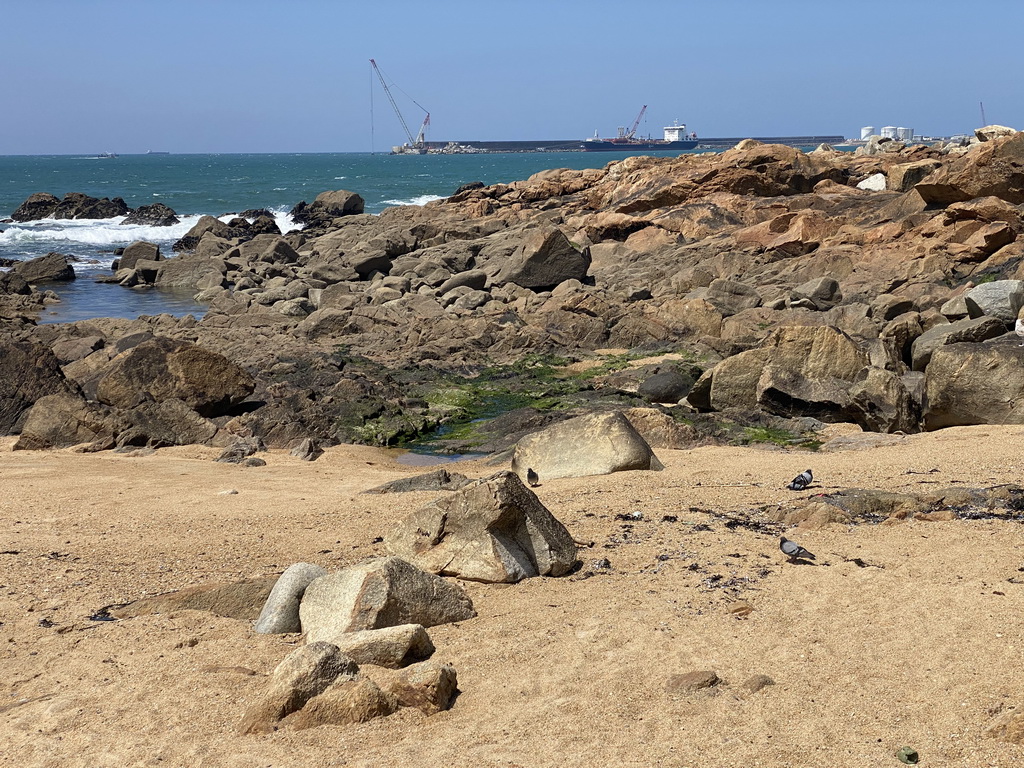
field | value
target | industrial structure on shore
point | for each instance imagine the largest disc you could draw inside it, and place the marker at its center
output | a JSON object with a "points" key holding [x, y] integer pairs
{"points": [[675, 138]]}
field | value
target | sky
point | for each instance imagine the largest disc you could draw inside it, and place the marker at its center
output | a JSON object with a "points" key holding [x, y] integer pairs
{"points": [[186, 76]]}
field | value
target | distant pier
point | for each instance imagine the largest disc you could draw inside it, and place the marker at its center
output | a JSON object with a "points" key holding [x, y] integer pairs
{"points": [[576, 145]]}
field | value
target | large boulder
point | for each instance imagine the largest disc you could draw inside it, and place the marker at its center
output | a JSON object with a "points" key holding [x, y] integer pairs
{"points": [[39, 205], [28, 372], [163, 369], [592, 444], [881, 402], [304, 674], [165, 423], [793, 365], [966, 330], [346, 701], [75, 205], [152, 215], [62, 420], [51, 268], [140, 249], [391, 647], [902, 177], [974, 383], [994, 168], [381, 592], [1000, 298], [327, 206], [544, 259], [13, 284], [493, 530]]}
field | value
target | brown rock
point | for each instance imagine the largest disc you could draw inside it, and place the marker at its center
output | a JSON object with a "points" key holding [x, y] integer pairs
{"points": [[236, 600], [688, 682], [381, 592], [163, 369], [1008, 726], [429, 687], [28, 371], [755, 683], [344, 702], [492, 530], [304, 673]]}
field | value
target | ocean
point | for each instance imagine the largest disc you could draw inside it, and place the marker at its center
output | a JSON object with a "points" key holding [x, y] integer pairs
{"points": [[220, 185]]}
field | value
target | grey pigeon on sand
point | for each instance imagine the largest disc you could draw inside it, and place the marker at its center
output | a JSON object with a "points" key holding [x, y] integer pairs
{"points": [[794, 550], [801, 481], [532, 477]]}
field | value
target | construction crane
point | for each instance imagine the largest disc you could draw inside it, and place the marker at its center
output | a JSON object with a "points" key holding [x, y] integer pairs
{"points": [[625, 135], [416, 145]]}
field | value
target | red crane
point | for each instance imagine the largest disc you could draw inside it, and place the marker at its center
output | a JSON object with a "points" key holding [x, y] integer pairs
{"points": [[627, 136]]}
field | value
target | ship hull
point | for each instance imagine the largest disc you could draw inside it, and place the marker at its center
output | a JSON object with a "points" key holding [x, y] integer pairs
{"points": [[591, 145]]}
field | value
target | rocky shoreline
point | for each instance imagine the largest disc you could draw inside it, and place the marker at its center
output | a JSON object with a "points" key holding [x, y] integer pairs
{"points": [[758, 288]]}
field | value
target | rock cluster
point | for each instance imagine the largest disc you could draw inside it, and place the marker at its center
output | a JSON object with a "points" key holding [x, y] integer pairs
{"points": [[802, 293]]}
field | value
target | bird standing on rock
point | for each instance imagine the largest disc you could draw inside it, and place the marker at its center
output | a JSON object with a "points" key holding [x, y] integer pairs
{"points": [[1018, 328], [801, 481], [532, 477], [794, 551]]}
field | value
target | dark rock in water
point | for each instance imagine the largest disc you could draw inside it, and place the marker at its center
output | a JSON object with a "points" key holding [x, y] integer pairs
{"points": [[75, 205], [28, 371], [241, 449], [39, 205], [131, 254], [153, 215], [438, 480], [51, 268], [327, 206]]}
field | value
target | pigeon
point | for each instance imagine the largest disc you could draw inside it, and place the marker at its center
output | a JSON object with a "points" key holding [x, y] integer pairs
{"points": [[1018, 328], [532, 477], [801, 481], [794, 550]]}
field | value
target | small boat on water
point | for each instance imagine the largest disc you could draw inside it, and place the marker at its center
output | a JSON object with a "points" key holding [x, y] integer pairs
{"points": [[105, 155], [156, 152]]}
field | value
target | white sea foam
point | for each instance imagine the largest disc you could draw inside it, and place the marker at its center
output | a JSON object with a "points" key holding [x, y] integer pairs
{"points": [[421, 200], [109, 232], [96, 232]]}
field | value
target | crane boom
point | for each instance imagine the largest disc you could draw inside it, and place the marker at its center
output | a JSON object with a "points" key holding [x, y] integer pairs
{"points": [[636, 123], [419, 141]]}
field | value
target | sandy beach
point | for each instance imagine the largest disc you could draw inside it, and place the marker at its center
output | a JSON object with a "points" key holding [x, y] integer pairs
{"points": [[904, 633]]}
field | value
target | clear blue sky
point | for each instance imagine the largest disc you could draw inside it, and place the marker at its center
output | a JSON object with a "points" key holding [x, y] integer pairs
{"points": [[232, 76]]}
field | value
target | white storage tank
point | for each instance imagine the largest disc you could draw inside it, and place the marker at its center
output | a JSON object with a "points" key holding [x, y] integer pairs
{"points": [[905, 134], [889, 132], [867, 130]]}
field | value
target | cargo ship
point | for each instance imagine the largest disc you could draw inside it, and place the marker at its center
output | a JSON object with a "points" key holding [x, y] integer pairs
{"points": [[675, 140]]}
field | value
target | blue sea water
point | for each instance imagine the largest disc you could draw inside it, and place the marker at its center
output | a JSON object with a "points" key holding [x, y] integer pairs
{"points": [[219, 185]]}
